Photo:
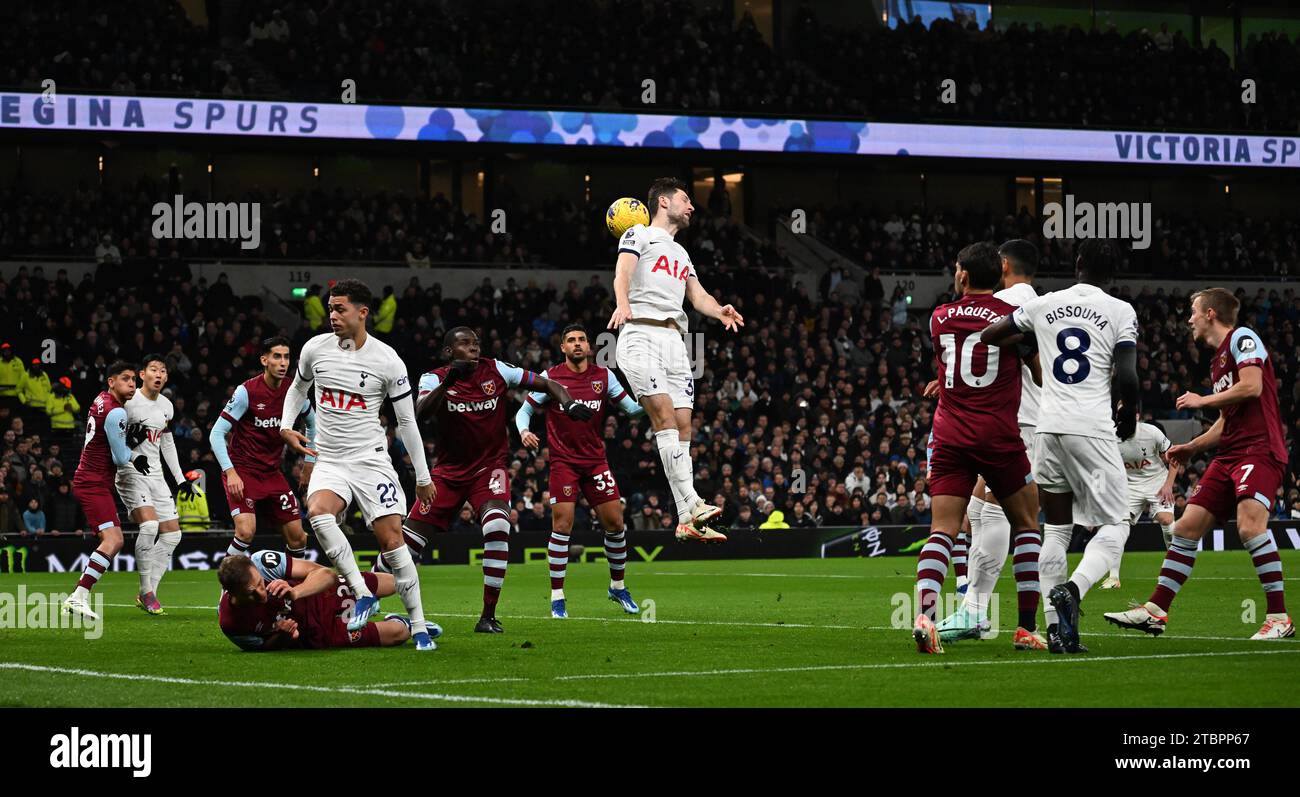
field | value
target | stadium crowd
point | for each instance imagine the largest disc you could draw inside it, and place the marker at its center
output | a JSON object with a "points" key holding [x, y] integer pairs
{"points": [[562, 53], [814, 411], [395, 227], [1181, 245]]}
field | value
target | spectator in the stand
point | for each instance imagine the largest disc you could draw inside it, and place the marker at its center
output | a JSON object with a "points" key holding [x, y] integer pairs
{"points": [[536, 519], [12, 375], [314, 309], [64, 511], [34, 518], [801, 519], [34, 395], [107, 253], [10, 521]]}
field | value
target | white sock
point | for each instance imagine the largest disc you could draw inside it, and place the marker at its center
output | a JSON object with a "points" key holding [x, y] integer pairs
{"points": [[80, 593], [408, 585], [144, 542], [616, 584], [975, 516], [1114, 573], [673, 458], [688, 472], [1167, 531], [557, 594], [339, 551], [1104, 551], [162, 557], [986, 557], [1052, 563]]}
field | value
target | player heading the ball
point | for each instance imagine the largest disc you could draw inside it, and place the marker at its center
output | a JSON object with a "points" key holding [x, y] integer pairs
{"points": [[351, 374], [652, 277]]}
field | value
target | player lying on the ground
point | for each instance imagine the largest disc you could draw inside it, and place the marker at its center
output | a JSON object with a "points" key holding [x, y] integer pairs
{"points": [[1242, 478], [463, 404], [252, 419], [975, 433], [272, 601], [579, 465]]}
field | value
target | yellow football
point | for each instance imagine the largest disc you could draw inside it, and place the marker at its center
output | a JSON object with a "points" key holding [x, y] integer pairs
{"points": [[625, 213]]}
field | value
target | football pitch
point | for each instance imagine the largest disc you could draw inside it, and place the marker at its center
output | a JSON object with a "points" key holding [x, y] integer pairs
{"points": [[784, 632]]}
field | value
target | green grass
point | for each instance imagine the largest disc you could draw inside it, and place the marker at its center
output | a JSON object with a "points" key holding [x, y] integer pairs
{"points": [[808, 633]]}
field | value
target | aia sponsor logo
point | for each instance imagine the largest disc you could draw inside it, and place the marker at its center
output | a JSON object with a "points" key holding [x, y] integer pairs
{"points": [[340, 400], [677, 272]]}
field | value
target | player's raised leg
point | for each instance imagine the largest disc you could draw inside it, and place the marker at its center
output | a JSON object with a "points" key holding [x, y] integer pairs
{"points": [[323, 508], [1152, 616]]}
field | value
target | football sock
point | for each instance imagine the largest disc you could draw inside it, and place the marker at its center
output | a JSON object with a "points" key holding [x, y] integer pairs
{"points": [[931, 570], [1179, 560], [1052, 563], [408, 584], [1103, 552], [688, 475], [670, 454], [1268, 566], [988, 554], [959, 550], [145, 539], [496, 556], [975, 516], [557, 554], [339, 551], [162, 557], [1167, 531], [1024, 564], [236, 547], [616, 555], [95, 569], [296, 553]]}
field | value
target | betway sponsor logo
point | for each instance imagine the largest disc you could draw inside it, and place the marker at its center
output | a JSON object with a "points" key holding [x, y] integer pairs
{"points": [[594, 404], [74, 750], [266, 423], [473, 406]]}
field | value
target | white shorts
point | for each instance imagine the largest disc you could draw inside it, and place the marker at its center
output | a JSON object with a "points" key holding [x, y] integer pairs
{"points": [[1029, 434], [1089, 467], [1142, 498], [371, 484], [138, 490], [654, 360]]}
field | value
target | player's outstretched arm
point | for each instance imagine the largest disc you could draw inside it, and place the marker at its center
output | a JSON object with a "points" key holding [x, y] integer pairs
{"points": [[1002, 333], [623, 268], [1180, 455], [408, 430], [1250, 383], [295, 397], [524, 418], [560, 395], [704, 302], [115, 431]]}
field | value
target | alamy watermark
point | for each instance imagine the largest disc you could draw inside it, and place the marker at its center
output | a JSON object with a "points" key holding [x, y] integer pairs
{"points": [[240, 221], [1128, 220], [39, 610]]}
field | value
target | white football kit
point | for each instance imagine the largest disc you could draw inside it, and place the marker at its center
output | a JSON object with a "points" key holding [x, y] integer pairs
{"points": [[349, 387], [1146, 471], [1019, 294], [136, 489], [1078, 330], [654, 358]]}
